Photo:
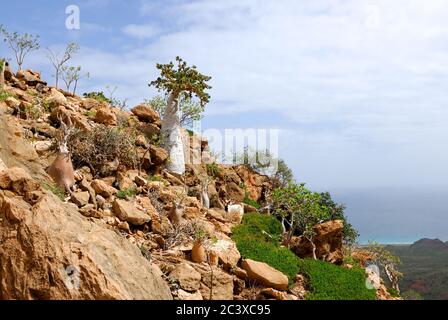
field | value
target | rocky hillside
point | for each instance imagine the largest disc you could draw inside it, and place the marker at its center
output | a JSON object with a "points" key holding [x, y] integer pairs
{"points": [[129, 229], [424, 264]]}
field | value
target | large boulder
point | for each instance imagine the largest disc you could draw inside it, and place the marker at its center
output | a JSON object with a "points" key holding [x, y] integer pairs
{"points": [[106, 116], [146, 114], [221, 285], [56, 98], [188, 278], [227, 253], [127, 211], [328, 241], [149, 130], [103, 189], [30, 77], [17, 180], [67, 115], [265, 274], [50, 251], [158, 155]]}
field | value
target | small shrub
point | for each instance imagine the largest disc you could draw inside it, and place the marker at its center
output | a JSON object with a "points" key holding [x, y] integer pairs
{"points": [[331, 282], [251, 202], [127, 193], [101, 146], [47, 106], [156, 140], [393, 292], [98, 96], [29, 112], [213, 169], [56, 190]]}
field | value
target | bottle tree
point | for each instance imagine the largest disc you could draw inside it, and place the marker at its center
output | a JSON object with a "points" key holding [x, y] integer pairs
{"points": [[177, 81]]}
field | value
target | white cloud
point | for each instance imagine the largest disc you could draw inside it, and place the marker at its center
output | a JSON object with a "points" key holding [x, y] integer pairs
{"points": [[145, 31], [362, 83]]}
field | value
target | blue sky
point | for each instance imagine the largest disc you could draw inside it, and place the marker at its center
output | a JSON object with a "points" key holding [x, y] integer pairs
{"points": [[357, 88]]}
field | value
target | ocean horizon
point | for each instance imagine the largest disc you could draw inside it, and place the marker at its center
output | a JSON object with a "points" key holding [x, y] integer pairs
{"points": [[396, 215]]}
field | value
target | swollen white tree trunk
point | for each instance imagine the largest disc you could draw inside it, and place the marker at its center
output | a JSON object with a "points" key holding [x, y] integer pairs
{"points": [[205, 199], [172, 135], [2, 72]]}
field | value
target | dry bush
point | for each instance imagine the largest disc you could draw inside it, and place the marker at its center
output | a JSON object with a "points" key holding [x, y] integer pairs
{"points": [[103, 145], [183, 234]]}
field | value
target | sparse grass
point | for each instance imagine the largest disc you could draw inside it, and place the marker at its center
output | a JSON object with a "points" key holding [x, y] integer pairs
{"points": [[127, 193], [155, 179], [56, 190], [4, 95]]}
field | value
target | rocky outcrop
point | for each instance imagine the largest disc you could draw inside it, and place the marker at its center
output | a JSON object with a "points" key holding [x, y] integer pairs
{"points": [[327, 239], [146, 114], [50, 251], [30, 77]]}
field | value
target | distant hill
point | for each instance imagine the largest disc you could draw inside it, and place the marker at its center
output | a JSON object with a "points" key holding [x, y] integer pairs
{"points": [[429, 244], [425, 267]]}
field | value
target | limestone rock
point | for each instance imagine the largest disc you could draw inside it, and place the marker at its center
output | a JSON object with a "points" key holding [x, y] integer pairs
{"points": [[66, 114], [275, 294], [56, 99], [103, 189], [88, 261], [328, 240], [18, 181], [265, 274], [145, 113], [126, 211], [42, 146], [90, 103], [189, 279], [106, 116], [158, 155], [30, 77], [227, 252], [184, 295], [2, 165], [222, 282], [80, 198], [12, 102], [149, 129]]}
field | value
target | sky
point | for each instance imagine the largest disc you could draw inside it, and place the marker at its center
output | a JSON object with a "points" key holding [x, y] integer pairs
{"points": [[357, 89]]}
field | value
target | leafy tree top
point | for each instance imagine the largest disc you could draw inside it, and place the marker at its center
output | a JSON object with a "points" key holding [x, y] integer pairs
{"points": [[182, 78], [305, 205], [20, 44]]}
